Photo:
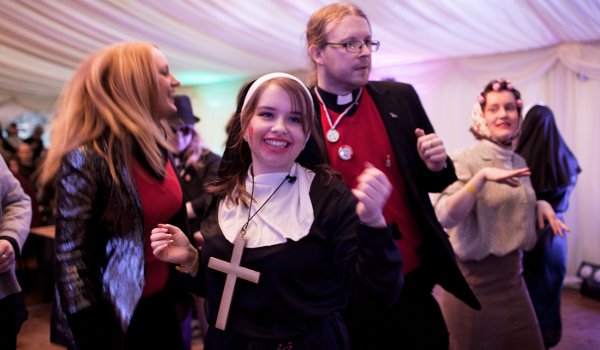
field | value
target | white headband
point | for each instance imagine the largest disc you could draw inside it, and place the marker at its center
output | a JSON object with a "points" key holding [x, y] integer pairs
{"points": [[270, 76]]}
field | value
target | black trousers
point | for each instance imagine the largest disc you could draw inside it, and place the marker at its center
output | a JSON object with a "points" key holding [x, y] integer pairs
{"points": [[414, 322], [329, 334], [12, 315], [544, 268], [155, 324]]}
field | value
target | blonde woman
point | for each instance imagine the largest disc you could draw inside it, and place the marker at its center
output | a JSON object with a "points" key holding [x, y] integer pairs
{"points": [[114, 182]]}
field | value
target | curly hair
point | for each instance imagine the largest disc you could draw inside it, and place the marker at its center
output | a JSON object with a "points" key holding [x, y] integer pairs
{"points": [[498, 85]]}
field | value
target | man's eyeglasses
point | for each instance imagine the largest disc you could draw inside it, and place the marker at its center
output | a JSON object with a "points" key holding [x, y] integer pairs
{"points": [[184, 129], [354, 46]]}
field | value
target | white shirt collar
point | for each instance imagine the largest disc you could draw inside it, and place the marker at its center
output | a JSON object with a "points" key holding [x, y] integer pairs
{"points": [[287, 215]]}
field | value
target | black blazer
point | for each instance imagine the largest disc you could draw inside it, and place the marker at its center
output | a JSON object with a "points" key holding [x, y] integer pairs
{"points": [[402, 112]]}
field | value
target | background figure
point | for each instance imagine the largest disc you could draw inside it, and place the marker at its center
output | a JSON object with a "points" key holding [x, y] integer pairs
{"points": [[36, 142], [28, 163], [490, 213], [554, 171], [196, 166], [15, 218], [296, 225], [114, 182], [12, 139], [28, 186], [5, 150], [384, 123]]}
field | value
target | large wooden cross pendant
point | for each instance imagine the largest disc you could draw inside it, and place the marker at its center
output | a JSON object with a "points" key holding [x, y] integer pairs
{"points": [[233, 271]]}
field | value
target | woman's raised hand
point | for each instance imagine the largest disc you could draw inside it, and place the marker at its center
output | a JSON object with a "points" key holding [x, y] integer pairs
{"points": [[170, 244]]}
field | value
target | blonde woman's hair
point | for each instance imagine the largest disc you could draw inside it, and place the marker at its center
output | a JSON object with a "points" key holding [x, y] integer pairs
{"points": [[110, 105]]}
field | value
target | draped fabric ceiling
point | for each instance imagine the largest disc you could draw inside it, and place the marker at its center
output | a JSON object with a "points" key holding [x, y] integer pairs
{"points": [[207, 41], [448, 49]]}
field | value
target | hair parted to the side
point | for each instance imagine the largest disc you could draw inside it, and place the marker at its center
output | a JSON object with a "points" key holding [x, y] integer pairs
{"points": [[232, 180], [317, 26], [110, 105]]}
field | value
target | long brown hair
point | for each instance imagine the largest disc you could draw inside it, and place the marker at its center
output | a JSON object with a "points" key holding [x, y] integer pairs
{"points": [[233, 173], [109, 105]]}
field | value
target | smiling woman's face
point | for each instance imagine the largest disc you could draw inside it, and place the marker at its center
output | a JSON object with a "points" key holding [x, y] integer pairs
{"points": [[501, 114], [166, 86], [275, 133]]}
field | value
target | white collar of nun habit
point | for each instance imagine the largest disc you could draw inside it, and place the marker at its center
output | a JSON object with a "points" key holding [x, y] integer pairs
{"points": [[287, 215]]}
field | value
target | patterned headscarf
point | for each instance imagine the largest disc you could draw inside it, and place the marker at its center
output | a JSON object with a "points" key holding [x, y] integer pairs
{"points": [[479, 127]]}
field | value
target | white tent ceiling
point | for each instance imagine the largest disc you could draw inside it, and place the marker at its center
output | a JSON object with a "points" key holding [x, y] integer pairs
{"points": [[42, 41]]}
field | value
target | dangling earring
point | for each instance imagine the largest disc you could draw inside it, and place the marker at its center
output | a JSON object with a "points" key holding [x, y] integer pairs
{"points": [[246, 138]]}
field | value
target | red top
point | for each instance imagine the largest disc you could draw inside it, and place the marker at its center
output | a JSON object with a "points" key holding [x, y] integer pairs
{"points": [[366, 134], [161, 200]]}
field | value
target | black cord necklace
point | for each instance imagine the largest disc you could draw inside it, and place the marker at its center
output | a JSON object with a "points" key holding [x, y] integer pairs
{"points": [[288, 178]]}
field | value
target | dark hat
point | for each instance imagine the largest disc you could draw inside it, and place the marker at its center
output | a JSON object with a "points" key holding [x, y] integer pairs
{"points": [[184, 110]]}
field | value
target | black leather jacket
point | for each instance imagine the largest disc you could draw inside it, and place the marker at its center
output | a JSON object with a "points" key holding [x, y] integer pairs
{"points": [[99, 246]]}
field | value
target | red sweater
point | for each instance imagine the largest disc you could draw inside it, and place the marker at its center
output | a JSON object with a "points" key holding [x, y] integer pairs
{"points": [[365, 133], [161, 200]]}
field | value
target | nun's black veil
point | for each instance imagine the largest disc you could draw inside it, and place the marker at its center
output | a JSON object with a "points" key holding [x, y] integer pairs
{"points": [[552, 163]]}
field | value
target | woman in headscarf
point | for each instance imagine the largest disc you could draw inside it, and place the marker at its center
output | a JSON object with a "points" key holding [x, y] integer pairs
{"points": [[490, 214]]}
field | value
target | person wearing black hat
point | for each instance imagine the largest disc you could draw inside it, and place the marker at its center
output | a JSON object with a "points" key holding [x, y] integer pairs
{"points": [[196, 165], [194, 161]]}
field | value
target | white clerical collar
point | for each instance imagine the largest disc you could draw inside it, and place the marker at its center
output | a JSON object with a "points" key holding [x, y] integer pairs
{"points": [[344, 99], [287, 215]]}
